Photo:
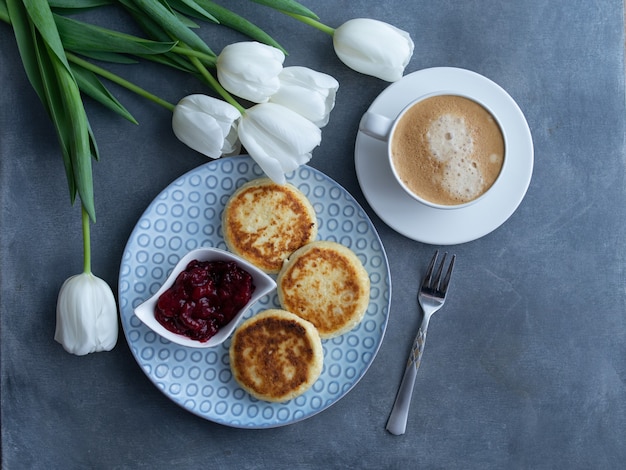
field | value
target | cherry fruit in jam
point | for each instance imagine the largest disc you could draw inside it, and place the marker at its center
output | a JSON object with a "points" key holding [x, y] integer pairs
{"points": [[204, 297]]}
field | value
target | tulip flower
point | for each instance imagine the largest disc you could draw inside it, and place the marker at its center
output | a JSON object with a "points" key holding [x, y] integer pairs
{"points": [[368, 46], [374, 48], [207, 125], [86, 315], [278, 139], [307, 92], [250, 70]]}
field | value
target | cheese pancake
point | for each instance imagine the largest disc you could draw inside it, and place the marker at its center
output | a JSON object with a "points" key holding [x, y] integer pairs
{"points": [[325, 283], [265, 222], [276, 356]]}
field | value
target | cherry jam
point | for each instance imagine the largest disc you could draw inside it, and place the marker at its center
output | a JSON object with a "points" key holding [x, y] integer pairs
{"points": [[204, 297]]}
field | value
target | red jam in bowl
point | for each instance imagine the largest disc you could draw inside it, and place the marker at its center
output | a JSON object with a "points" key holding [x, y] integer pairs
{"points": [[204, 297]]}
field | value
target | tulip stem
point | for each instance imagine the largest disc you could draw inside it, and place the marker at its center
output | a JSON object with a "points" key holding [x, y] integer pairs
{"points": [[311, 22], [86, 242], [216, 84], [119, 80]]}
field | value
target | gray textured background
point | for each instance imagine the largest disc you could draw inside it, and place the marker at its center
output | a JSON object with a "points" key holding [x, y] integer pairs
{"points": [[525, 367]]}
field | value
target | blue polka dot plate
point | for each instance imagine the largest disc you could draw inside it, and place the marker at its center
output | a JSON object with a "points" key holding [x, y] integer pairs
{"points": [[187, 215]]}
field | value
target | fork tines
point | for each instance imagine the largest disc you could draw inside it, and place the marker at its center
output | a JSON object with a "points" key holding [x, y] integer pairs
{"points": [[436, 283]]}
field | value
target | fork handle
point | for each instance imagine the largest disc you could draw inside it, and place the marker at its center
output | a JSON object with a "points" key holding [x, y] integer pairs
{"points": [[399, 413]]}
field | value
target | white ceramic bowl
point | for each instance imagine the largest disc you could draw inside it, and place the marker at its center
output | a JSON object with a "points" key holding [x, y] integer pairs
{"points": [[145, 311]]}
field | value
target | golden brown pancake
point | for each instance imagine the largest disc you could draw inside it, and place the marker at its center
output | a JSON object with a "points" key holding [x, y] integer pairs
{"points": [[325, 283], [265, 222], [276, 356]]}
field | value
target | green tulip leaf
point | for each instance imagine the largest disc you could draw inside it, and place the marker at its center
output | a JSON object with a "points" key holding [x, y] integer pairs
{"points": [[112, 57], [78, 4], [89, 84], [26, 46], [171, 24], [289, 6], [193, 8], [79, 36], [42, 19]]}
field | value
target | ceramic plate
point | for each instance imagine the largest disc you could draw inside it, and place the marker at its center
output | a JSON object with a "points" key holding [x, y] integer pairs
{"points": [[451, 226], [187, 215]]}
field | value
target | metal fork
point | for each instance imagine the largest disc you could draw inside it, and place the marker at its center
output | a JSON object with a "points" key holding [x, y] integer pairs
{"points": [[431, 296]]}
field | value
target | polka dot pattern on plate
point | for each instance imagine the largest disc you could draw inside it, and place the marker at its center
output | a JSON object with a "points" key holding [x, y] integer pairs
{"points": [[187, 215]]}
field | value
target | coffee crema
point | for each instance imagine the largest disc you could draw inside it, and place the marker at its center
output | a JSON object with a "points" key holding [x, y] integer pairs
{"points": [[447, 149]]}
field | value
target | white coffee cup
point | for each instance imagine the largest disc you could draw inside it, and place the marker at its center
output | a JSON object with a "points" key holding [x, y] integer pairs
{"points": [[446, 124]]}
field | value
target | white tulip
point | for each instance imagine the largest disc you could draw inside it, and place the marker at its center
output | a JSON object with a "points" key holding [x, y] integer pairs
{"points": [[307, 92], [207, 125], [374, 48], [278, 139], [86, 318], [250, 70]]}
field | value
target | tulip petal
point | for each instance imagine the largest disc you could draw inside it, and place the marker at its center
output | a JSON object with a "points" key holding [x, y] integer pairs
{"points": [[207, 125], [374, 48], [250, 70], [200, 132], [86, 317], [278, 139], [307, 92]]}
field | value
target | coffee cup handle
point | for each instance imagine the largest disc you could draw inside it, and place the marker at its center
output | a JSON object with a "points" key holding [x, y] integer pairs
{"points": [[375, 125]]}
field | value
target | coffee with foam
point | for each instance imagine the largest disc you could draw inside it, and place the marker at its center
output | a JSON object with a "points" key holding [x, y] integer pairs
{"points": [[447, 149]]}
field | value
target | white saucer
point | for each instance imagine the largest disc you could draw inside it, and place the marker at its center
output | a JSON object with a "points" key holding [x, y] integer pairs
{"points": [[451, 226]]}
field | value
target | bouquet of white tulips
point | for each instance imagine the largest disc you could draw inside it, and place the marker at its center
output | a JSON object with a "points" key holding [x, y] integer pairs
{"points": [[280, 129]]}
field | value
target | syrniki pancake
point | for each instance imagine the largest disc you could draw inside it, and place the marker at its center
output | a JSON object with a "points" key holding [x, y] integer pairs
{"points": [[265, 222], [325, 283], [276, 356]]}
